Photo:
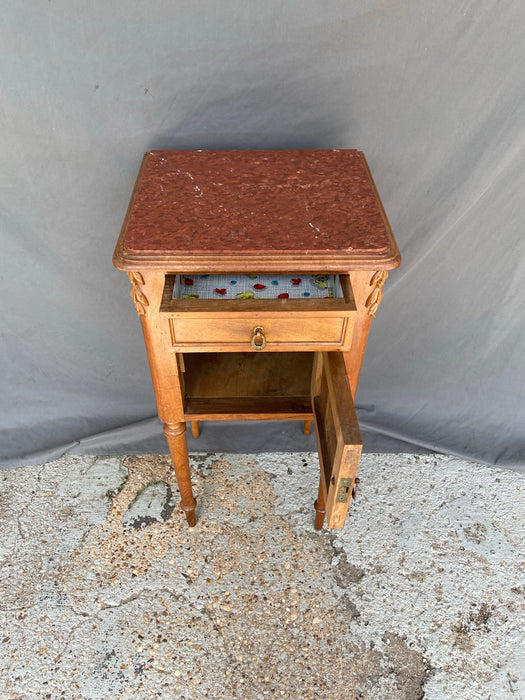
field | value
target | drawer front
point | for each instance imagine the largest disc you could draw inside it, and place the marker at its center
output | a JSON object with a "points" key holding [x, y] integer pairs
{"points": [[280, 333]]}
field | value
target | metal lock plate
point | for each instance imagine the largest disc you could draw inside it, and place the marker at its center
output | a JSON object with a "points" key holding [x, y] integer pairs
{"points": [[343, 490]]}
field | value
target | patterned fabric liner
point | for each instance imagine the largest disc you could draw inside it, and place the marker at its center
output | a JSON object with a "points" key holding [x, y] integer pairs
{"points": [[256, 286]]}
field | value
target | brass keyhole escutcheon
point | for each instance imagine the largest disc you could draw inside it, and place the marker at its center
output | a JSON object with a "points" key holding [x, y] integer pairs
{"points": [[258, 339]]}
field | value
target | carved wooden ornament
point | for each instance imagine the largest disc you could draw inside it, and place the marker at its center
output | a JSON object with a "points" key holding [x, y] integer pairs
{"points": [[137, 294], [373, 301]]}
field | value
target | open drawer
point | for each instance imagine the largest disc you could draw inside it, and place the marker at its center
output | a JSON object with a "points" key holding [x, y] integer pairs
{"points": [[203, 316]]}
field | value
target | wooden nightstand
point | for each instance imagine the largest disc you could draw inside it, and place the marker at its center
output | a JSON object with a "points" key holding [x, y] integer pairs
{"points": [[210, 240]]}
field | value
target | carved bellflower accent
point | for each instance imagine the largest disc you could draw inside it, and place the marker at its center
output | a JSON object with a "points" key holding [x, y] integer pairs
{"points": [[136, 293], [373, 301]]}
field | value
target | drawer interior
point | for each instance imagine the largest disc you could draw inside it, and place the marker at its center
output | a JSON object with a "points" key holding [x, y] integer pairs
{"points": [[256, 286]]}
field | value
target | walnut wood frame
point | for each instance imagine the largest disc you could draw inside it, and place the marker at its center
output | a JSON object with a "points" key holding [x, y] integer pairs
{"points": [[331, 334]]}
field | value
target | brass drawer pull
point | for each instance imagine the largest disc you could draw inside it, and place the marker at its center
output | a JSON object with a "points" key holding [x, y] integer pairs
{"points": [[258, 339]]}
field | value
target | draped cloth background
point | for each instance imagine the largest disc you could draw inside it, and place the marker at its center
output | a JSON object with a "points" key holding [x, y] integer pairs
{"points": [[433, 93]]}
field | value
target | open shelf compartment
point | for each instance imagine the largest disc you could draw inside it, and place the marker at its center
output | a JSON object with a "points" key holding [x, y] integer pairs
{"points": [[244, 386]]}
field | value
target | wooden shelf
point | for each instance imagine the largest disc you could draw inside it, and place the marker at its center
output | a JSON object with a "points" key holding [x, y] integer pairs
{"points": [[249, 408]]}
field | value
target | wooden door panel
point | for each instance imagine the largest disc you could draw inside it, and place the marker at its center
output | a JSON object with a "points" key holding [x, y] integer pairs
{"points": [[338, 436]]}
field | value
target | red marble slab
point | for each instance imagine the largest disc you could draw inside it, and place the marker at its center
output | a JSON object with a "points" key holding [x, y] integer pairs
{"points": [[290, 202]]}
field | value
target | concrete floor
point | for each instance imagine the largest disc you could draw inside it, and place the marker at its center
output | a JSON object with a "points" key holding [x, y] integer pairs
{"points": [[105, 593]]}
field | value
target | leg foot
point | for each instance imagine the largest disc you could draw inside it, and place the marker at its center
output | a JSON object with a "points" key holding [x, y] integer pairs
{"points": [[176, 434], [319, 506], [307, 427], [189, 511], [195, 428]]}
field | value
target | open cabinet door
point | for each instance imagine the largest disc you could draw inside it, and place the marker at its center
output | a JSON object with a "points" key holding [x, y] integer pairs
{"points": [[338, 437]]}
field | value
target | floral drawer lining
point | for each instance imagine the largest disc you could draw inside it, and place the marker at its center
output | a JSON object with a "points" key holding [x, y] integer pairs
{"points": [[256, 287]]}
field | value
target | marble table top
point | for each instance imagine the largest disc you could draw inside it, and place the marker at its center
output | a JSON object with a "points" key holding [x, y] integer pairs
{"points": [[291, 203]]}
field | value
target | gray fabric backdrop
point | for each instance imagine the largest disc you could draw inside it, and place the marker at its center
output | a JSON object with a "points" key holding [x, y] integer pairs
{"points": [[432, 92]]}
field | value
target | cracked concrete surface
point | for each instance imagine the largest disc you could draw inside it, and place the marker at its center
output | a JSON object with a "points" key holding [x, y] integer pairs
{"points": [[105, 593]]}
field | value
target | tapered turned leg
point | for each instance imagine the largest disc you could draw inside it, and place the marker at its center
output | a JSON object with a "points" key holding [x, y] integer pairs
{"points": [[195, 428], [307, 427], [176, 434], [319, 506]]}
